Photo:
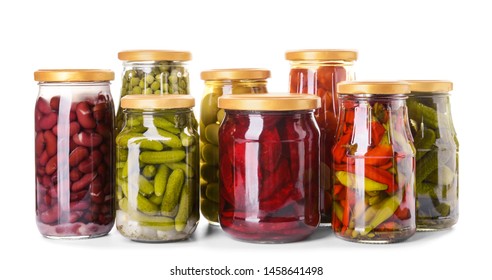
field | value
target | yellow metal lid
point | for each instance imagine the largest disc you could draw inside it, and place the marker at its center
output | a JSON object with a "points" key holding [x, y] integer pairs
{"points": [[430, 86], [373, 87], [320, 54], [167, 101], [236, 74], [154, 55], [269, 102], [73, 75]]}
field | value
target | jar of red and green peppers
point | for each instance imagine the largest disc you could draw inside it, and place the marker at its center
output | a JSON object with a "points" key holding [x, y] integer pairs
{"points": [[318, 72], [157, 168], [153, 72], [373, 164], [437, 154], [217, 83], [269, 167], [74, 153]]}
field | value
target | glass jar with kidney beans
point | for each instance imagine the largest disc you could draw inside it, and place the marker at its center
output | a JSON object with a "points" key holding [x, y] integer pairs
{"points": [[318, 72], [373, 164], [153, 72], [74, 125], [217, 83], [437, 146], [157, 168], [269, 167]]}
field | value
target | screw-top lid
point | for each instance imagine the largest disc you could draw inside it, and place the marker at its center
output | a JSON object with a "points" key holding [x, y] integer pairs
{"points": [[319, 54], [154, 55], [372, 87], [236, 74], [73, 75], [168, 101], [269, 102], [430, 86]]}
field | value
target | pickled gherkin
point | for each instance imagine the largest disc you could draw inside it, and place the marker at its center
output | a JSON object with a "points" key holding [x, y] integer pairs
{"points": [[157, 176], [217, 83], [437, 154]]}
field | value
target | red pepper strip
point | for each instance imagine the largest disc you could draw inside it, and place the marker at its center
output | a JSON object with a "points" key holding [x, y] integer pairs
{"points": [[339, 150], [278, 199], [337, 189], [273, 181], [349, 116], [270, 149], [387, 166], [379, 155], [377, 132], [388, 226]]}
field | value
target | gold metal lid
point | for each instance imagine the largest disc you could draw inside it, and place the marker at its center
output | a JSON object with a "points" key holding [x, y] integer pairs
{"points": [[319, 54], [236, 74], [430, 86], [166, 101], [73, 75], [373, 87], [154, 55], [269, 102]]}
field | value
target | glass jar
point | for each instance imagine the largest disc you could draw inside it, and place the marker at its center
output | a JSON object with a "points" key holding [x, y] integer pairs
{"points": [[269, 167], [157, 168], [437, 147], [217, 83], [373, 164], [74, 153], [153, 72], [318, 72]]}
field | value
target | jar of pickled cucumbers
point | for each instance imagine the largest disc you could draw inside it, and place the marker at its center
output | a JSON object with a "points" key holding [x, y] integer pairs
{"points": [[217, 83], [153, 72], [318, 72], [373, 164], [269, 167], [74, 153], [436, 143], [157, 168]]}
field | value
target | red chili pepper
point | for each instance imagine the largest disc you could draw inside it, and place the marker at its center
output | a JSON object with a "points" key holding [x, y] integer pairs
{"points": [[274, 181], [270, 149], [387, 165], [377, 132], [379, 155], [339, 150], [403, 213], [278, 199]]}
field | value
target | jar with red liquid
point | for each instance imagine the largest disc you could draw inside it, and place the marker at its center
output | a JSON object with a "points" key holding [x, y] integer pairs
{"points": [[317, 72], [269, 167], [74, 153], [373, 164]]}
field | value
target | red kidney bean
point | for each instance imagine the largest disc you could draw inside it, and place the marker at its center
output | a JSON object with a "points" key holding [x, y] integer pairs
{"points": [[83, 182], [40, 169], [107, 189], [43, 158], [37, 118], [42, 207], [105, 209], [76, 196], [46, 181], [40, 143], [54, 179], [79, 206], [74, 128], [51, 143], [100, 111], [78, 155], [87, 139], [72, 116], [49, 216], [43, 106], [91, 163], [97, 197], [51, 165], [88, 217], [53, 191], [103, 130], [104, 148], [55, 103], [48, 121], [47, 199], [96, 186], [75, 216], [75, 175], [84, 115]]}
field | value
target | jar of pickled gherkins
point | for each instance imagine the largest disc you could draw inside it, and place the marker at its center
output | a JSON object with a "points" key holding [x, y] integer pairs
{"points": [[373, 164], [318, 72], [74, 153], [157, 168], [269, 167], [153, 72], [437, 154], [217, 83]]}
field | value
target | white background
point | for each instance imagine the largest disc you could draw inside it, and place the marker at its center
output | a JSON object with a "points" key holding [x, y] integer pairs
{"points": [[396, 40]]}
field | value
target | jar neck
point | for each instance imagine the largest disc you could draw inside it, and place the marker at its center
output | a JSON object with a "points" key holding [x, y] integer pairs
{"points": [[317, 63]]}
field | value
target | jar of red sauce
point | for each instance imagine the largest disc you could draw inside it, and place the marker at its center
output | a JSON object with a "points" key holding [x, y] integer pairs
{"points": [[317, 72]]}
